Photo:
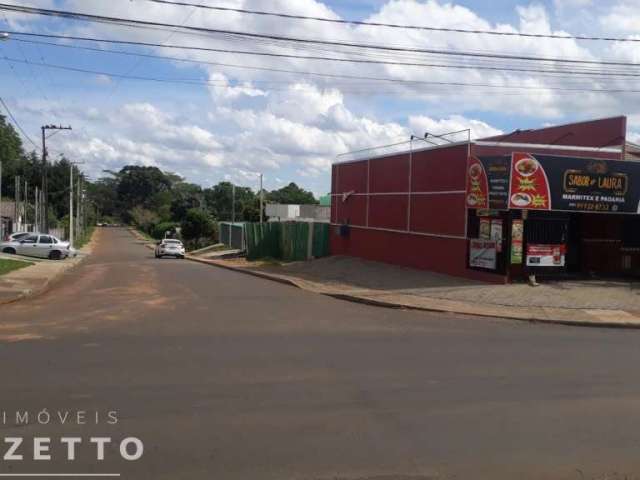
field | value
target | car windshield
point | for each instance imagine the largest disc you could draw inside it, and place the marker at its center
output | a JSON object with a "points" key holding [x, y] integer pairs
{"points": [[174, 242]]}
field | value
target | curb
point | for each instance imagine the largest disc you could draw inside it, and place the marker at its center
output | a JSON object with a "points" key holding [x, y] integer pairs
{"points": [[47, 284], [399, 306]]}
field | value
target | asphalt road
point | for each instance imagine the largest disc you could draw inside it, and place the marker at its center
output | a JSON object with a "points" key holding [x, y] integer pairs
{"points": [[226, 376]]}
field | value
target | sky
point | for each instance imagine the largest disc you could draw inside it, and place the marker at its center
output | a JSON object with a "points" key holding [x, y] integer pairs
{"points": [[230, 116]]}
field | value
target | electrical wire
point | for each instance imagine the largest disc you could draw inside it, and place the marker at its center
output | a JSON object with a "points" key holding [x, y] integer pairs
{"points": [[274, 54], [17, 124], [554, 73], [225, 84], [395, 25], [262, 36]]}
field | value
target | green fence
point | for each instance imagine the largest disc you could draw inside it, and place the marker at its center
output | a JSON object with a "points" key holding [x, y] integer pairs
{"points": [[289, 241]]}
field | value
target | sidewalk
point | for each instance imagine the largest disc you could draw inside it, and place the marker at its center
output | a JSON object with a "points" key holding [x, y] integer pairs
{"points": [[587, 303], [38, 277]]}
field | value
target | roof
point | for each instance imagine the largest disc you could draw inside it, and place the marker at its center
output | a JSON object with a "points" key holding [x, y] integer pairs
{"points": [[599, 133]]}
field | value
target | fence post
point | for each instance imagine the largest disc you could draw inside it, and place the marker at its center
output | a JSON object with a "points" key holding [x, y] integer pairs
{"points": [[310, 241]]}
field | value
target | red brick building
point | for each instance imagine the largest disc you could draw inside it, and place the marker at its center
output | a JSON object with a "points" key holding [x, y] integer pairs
{"points": [[562, 199]]}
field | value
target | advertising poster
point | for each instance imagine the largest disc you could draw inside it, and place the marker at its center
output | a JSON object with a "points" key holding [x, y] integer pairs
{"points": [[529, 184], [546, 182], [517, 231], [546, 255], [496, 233], [482, 254], [488, 182], [485, 229], [477, 184]]}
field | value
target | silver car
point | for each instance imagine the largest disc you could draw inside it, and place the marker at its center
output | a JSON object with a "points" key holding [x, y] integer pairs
{"points": [[38, 245], [170, 247]]}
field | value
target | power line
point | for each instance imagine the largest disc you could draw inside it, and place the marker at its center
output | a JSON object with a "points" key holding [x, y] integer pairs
{"points": [[301, 57], [238, 34], [17, 124], [425, 82], [395, 25], [329, 75]]}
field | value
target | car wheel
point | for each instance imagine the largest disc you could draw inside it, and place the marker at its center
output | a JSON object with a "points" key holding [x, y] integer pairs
{"points": [[10, 250], [55, 255], [181, 257]]}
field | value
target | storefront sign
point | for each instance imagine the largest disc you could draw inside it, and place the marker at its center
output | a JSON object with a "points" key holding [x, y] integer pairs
{"points": [[544, 182], [529, 184], [546, 255], [488, 182], [517, 231], [482, 254]]}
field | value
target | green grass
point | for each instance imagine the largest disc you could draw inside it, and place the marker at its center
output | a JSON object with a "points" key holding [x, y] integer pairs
{"points": [[7, 266], [83, 239]]}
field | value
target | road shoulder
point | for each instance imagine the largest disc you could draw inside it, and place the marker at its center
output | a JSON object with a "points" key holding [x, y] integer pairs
{"points": [[39, 277], [586, 317]]}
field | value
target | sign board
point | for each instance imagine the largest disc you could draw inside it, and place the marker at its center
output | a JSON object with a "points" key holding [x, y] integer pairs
{"points": [[488, 182], [482, 254], [539, 255], [517, 231], [546, 182]]}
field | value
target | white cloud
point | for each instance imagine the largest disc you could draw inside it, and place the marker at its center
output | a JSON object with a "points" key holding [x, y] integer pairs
{"points": [[257, 120], [624, 17]]}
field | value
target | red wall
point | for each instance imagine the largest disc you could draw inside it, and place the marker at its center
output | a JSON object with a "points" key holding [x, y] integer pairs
{"points": [[409, 209], [375, 196]]}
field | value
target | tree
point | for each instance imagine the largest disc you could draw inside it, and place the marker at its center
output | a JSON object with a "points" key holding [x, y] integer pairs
{"points": [[139, 185], [143, 218], [185, 196], [218, 200], [292, 194], [103, 193], [197, 225]]}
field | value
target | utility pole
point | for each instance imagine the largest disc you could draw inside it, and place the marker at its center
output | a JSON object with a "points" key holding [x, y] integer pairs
{"points": [[1, 221], [45, 180], [36, 219], [25, 201], [261, 198], [233, 203], [71, 165], [16, 205]]}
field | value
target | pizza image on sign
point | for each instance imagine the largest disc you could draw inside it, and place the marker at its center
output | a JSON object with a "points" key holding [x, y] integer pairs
{"points": [[529, 186], [477, 184]]}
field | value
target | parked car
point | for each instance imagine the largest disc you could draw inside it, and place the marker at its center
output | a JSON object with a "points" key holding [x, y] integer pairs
{"points": [[15, 236], [170, 247], [38, 245]]}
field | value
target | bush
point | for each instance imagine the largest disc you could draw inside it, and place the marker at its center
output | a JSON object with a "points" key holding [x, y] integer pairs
{"points": [[197, 225], [158, 231]]}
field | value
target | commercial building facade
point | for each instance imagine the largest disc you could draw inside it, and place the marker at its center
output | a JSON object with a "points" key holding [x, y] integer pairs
{"points": [[559, 200]]}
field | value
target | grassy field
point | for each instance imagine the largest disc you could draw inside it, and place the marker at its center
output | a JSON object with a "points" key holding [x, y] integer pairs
{"points": [[7, 266]]}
